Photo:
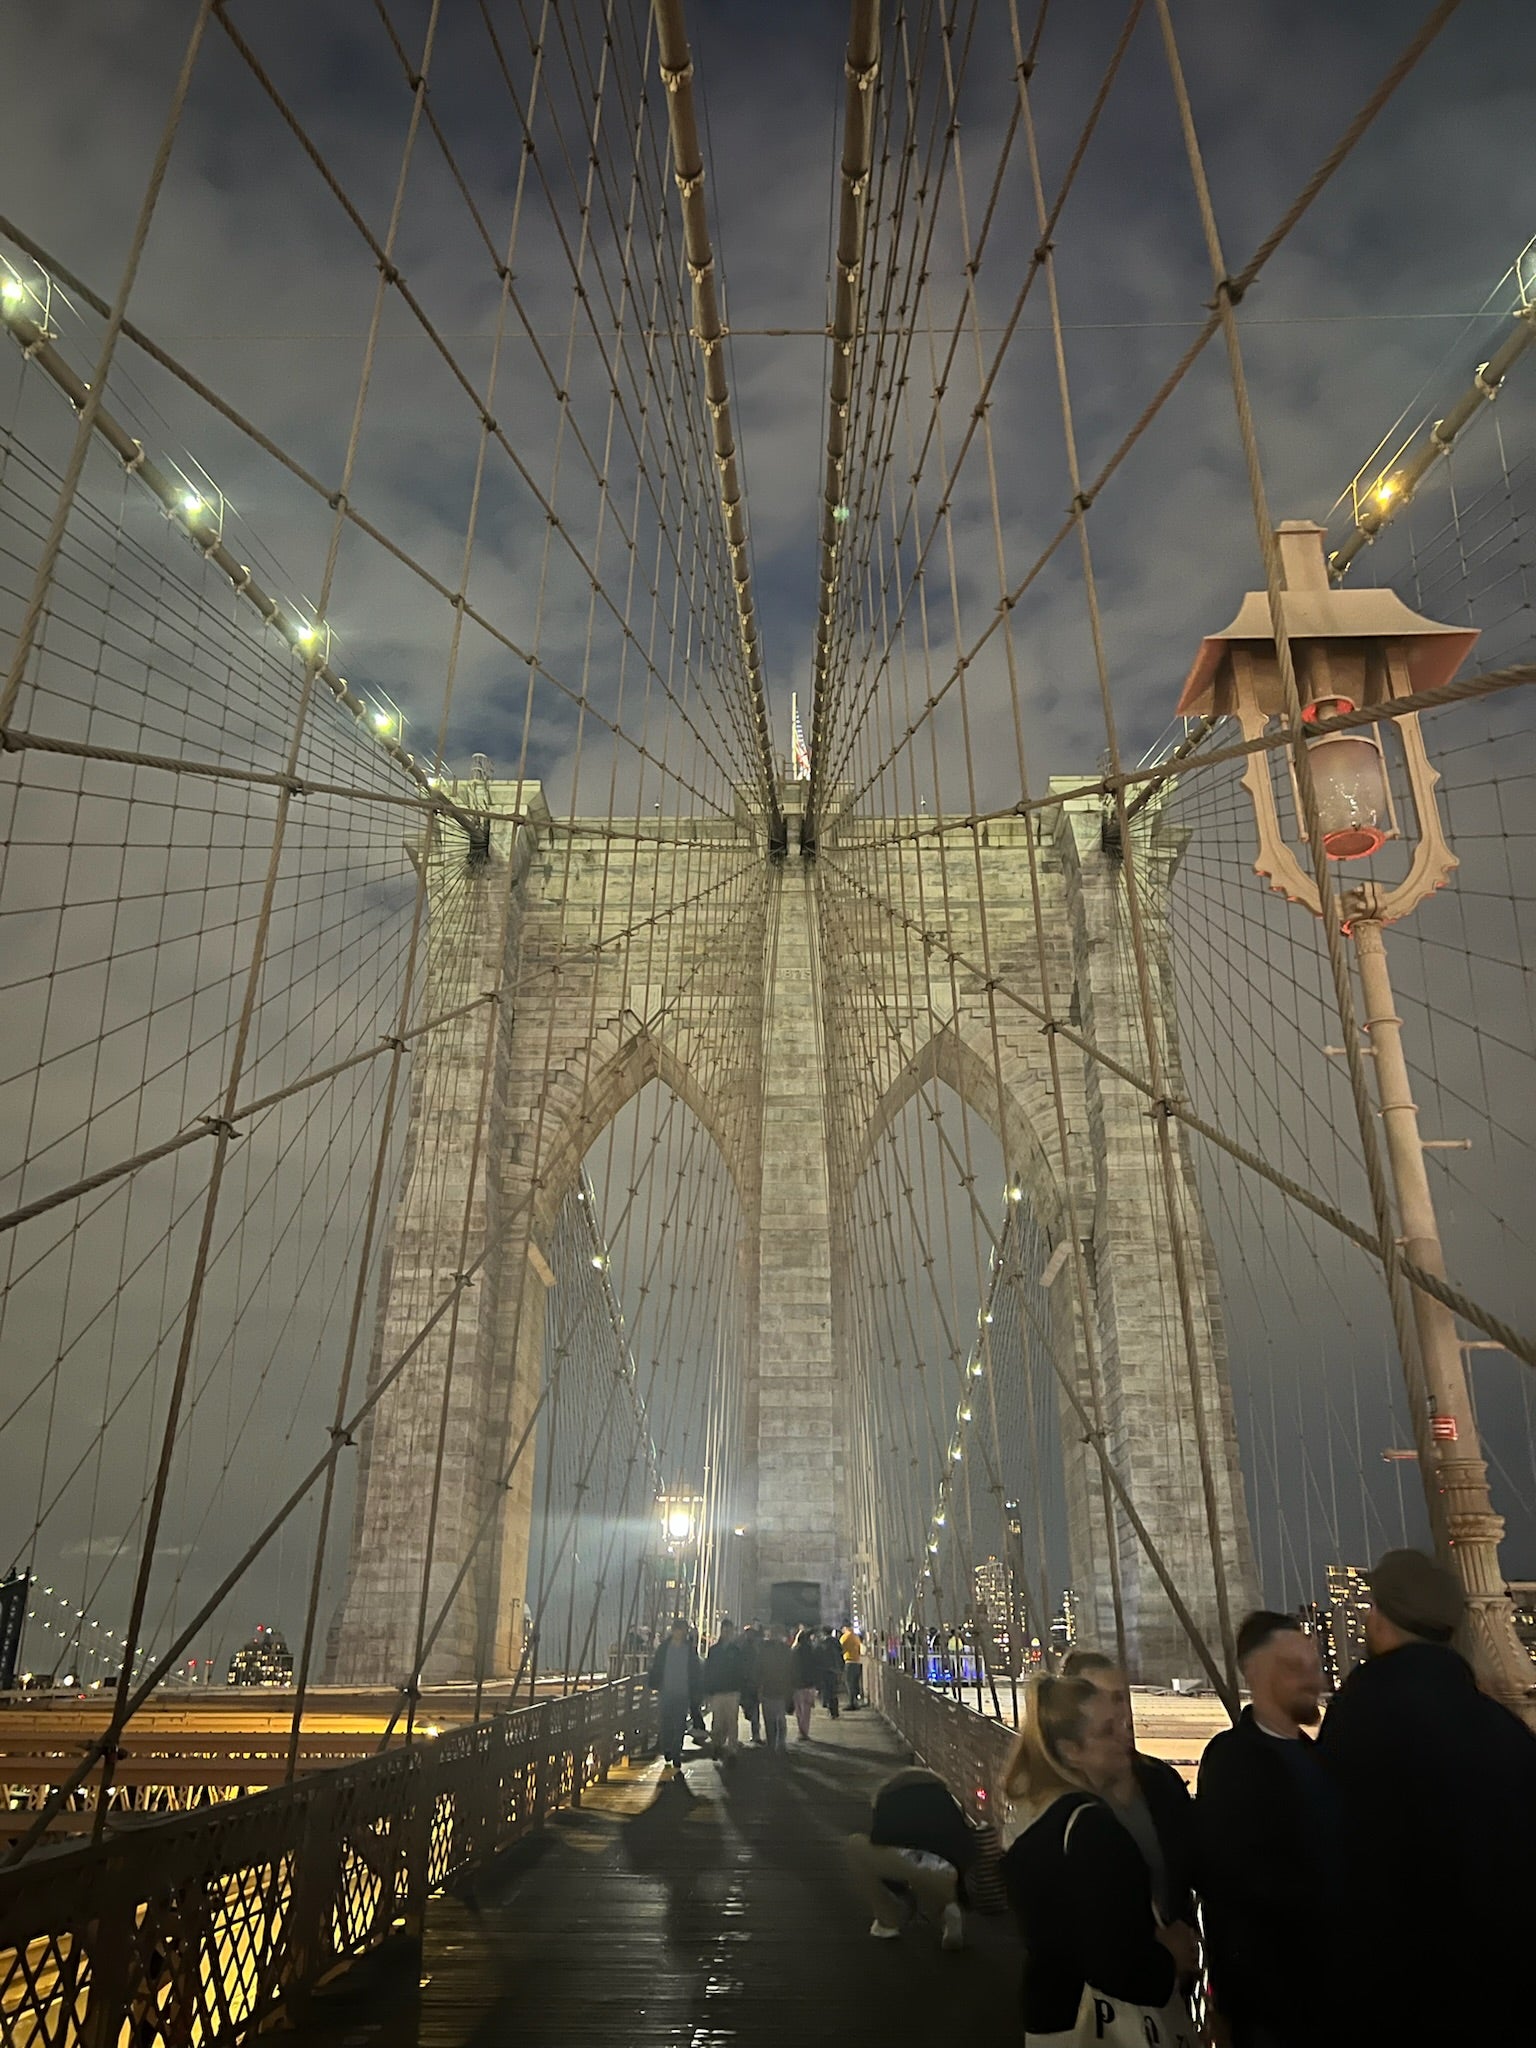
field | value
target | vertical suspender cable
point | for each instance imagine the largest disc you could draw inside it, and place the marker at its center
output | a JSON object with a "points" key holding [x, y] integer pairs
{"points": [[676, 66]]}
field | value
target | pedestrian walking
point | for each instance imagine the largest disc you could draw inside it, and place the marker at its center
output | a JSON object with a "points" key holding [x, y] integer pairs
{"points": [[807, 1661], [751, 1641], [1100, 1966], [830, 1676], [725, 1672], [916, 1853], [1149, 1798], [674, 1677], [852, 1644], [698, 1703], [1270, 1843], [1437, 1784], [775, 1684]]}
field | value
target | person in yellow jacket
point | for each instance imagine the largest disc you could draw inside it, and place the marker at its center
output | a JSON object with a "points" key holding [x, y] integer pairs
{"points": [[853, 1664]]}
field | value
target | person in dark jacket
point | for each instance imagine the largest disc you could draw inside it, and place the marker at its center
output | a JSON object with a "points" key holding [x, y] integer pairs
{"points": [[675, 1675], [1438, 1788], [1269, 1843], [1079, 1887], [775, 1684], [830, 1677], [919, 1847], [751, 1641], [1150, 1799], [807, 1660], [725, 1678]]}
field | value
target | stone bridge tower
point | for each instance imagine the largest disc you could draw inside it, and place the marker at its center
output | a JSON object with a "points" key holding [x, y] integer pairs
{"points": [[754, 1010]]}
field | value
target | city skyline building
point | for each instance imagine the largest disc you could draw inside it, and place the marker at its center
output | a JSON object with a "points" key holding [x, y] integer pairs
{"points": [[265, 1660], [1349, 1601]]}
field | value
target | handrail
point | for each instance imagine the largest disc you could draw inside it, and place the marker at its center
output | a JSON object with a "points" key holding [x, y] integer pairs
{"points": [[209, 1925]]}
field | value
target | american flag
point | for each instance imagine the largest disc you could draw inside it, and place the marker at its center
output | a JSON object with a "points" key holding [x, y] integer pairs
{"points": [[800, 753]]}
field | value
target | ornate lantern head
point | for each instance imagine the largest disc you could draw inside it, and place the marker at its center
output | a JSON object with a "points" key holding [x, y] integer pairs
{"points": [[1352, 649]]}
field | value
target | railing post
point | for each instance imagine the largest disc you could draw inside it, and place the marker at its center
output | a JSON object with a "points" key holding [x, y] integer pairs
{"points": [[416, 1825], [315, 1860], [107, 1944]]}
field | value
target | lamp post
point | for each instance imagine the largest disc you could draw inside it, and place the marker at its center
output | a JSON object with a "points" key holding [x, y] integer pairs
{"points": [[680, 1516], [1353, 649]]}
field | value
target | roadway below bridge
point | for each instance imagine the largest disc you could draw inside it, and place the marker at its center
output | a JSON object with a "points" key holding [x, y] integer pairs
{"points": [[184, 1749], [712, 1913]]}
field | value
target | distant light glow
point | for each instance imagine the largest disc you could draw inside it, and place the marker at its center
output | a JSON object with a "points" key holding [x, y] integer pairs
{"points": [[1386, 492], [192, 504], [12, 291], [599, 1261], [383, 722], [679, 1525]]}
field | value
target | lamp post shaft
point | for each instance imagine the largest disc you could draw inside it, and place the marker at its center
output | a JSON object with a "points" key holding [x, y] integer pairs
{"points": [[1455, 1476]]}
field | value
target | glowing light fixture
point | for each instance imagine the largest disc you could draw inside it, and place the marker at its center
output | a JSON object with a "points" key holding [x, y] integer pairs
{"points": [[1353, 806], [1350, 649], [192, 504], [679, 1525], [12, 291]]}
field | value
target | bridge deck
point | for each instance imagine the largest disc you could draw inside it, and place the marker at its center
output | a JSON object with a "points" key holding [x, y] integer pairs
{"points": [[664, 1918]]}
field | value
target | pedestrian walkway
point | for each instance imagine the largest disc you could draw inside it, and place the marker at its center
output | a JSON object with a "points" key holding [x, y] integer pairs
{"points": [[711, 1914]]}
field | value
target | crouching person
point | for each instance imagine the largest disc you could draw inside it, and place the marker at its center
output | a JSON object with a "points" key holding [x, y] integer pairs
{"points": [[916, 1854]]}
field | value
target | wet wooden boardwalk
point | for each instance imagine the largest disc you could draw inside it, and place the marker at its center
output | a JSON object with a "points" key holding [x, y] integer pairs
{"points": [[713, 1916]]}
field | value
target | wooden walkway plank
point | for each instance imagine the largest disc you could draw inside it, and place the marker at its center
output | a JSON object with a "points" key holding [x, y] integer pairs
{"points": [[712, 1914]]}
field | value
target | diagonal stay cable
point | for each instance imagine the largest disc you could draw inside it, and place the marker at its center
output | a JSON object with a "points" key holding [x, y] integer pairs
{"points": [[1241, 282]]}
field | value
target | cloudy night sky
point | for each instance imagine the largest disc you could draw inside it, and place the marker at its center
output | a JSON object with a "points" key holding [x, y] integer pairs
{"points": [[1373, 313]]}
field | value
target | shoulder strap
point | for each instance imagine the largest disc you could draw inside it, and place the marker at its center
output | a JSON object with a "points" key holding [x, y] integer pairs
{"points": [[1074, 1816]]}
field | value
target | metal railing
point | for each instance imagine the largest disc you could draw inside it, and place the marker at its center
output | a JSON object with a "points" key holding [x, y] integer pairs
{"points": [[209, 1925], [966, 1749]]}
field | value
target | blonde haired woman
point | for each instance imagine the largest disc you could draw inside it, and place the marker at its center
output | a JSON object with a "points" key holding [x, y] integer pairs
{"points": [[1077, 1883]]}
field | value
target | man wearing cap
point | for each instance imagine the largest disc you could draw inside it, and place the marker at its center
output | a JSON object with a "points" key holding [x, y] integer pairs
{"points": [[1437, 1784]]}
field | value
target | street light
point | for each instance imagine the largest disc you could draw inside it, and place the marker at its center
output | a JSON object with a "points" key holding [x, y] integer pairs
{"points": [[1352, 650]]}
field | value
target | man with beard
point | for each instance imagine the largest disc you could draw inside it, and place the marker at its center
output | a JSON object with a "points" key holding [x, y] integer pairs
{"points": [[1269, 1848]]}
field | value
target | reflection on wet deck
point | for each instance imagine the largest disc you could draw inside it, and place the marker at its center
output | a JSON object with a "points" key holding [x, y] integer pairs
{"points": [[715, 1915]]}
